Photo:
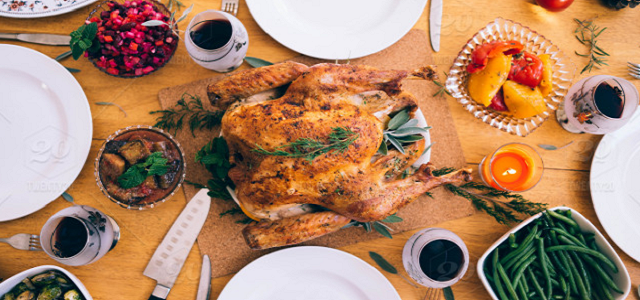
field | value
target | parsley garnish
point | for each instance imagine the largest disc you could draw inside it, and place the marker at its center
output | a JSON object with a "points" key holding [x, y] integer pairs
{"points": [[84, 39], [136, 174]]}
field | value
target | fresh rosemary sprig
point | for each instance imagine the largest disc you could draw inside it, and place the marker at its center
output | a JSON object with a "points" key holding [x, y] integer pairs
{"points": [[587, 33], [339, 140], [487, 199], [442, 89], [192, 111], [401, 130]]}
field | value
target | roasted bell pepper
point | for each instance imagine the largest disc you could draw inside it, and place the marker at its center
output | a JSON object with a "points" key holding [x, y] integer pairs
{"points": [[546, 84], [480, 56], [485, 84], [526, 68], [497, 103], [523, 101]]}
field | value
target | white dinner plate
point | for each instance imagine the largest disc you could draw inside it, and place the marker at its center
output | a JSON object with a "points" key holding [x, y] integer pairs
{"points": [[45, 129], [336, 29], [29, 9], [615, 186], [310, 273]]}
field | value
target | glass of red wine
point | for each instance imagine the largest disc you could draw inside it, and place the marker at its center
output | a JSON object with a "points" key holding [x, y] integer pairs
{"points": [[435, 258], [217, 40], [598, 105], [79, 235]]}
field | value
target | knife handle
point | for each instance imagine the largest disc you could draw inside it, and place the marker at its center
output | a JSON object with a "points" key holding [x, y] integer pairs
{"points": [[152, 297], [160, 293]]}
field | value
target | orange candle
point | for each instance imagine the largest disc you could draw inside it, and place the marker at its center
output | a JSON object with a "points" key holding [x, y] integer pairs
{"points": [[513, 167]]}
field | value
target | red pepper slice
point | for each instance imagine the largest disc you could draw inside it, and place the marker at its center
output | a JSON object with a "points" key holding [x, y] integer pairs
{"points": [[480, 56], [497, 103], [526, 69]]}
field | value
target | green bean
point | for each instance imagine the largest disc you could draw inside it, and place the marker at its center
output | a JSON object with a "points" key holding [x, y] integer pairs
{"points": [[522, 292], [536, 285], [507, 282], [582, 239], [512, 241], [517, 261], [563, 218], [572, 282], [563, 285], [566, 235], [602, 274], [501, 293], [545, 270], [582, 290], [521, 269], [605, 291], [555, 260], [525, 243], [582, 271], [591, 252]]}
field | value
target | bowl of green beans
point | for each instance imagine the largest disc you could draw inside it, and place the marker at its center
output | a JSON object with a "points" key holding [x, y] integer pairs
{"points": [[556, 254]]}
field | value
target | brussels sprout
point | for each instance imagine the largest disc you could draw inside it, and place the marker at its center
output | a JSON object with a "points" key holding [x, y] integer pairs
{"points": [[72, 295], [44, 279], [26, 295], [50, 292], [19, 289], [8, 296], [28, 283]]}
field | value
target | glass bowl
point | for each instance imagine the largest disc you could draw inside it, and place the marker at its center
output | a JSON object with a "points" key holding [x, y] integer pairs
{"points": [[103, 6], [501, 29], [142, 204]]}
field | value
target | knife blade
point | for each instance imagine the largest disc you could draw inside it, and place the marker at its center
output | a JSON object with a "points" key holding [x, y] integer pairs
{"points": [[38, 38], [435, 24], [167, 261], [204, 288]]}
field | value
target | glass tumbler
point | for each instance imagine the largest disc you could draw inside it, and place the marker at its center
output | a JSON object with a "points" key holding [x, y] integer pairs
{"points": [[217, 41], [598, 105], [84, 230]]}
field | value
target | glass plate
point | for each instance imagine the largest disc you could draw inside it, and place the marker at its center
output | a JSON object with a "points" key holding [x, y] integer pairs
{"points": [[501, 29]]}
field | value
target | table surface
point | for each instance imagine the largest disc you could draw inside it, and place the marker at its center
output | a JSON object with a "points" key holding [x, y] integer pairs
{"points": [[565, 182]]}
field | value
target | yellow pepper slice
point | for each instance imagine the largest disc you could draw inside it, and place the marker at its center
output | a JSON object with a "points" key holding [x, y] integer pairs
{"points": [[546, 84], [484, 85], [523, 101]]}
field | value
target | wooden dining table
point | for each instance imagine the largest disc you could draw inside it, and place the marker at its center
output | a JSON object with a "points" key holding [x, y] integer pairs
{"points": [[118, 275]]}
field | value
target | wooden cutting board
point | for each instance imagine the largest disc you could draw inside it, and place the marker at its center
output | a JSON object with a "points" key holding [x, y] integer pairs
{"points": [[221, 236]]}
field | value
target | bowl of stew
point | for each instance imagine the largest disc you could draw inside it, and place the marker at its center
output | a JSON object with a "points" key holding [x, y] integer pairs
{"points": [[139, 167]]}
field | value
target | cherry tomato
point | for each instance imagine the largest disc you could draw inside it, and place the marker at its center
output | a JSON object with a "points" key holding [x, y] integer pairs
{"points": [[480, 56], [526, 68], [555, 5], [497, 103]]}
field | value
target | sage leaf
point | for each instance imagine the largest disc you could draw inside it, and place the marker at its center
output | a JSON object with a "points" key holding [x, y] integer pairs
{"points": [[383, 148], [396, 144], [63, 55], [410, 123], [67, 197], [392, 219], [152, 23], [383, 263], [185, 13], [382, 229], [409, 131], [256, 62], [398, 120], [113, 104], [72, 70], [410, 138], [448, 293], [552, 147]]}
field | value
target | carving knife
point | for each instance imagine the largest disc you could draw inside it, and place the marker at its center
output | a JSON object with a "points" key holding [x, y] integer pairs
{"points": [[204, 288], [167, 261], [435, 24], [38, 38]]}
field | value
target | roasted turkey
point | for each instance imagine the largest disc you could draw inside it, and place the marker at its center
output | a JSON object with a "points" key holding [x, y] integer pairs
{"points": [[298, 199]]}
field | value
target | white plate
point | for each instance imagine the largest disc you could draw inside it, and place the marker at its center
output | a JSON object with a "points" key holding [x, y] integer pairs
{"points": [[30, 9], [45, 129], [615, 186], [310, 273], [336, 29]]}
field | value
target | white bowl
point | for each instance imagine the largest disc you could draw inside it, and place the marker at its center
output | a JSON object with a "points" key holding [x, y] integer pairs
{"points": [[8, 284], [621, 278]]}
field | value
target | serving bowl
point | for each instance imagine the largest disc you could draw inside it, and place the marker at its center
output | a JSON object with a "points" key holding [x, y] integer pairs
{"points": [[8, 284], [504, 30], [622, 279], [141, 205]]}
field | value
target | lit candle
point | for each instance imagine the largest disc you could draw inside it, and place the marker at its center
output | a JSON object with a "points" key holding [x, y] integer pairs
{"points": [[512, 167]]}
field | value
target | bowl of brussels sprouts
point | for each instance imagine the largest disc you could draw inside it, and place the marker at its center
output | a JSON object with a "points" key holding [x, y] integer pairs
{"points": [[44, 283]]}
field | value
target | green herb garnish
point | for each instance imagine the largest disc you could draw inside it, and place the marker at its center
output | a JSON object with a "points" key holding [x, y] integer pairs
{"points": [[191, 111], [442, 90], [84, 39], [401, 130], [136, 174], [339, 140], [487, 199], [387, 266], [113, 104], [215, 157], [257, 62], [377, 225], [67, 197], [587, 33]]}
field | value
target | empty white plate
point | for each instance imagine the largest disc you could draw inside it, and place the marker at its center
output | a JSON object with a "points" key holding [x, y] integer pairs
{"points": [[615, 186], [336, 29], [45, 129], [310, 273]]}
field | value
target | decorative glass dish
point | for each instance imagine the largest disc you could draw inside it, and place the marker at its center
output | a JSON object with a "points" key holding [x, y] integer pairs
{"points": [[130, 50], [155, 189], [501, 29]]}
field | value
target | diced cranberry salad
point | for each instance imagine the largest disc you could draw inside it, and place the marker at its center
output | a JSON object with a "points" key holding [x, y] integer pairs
{"points": [[128, 48]]}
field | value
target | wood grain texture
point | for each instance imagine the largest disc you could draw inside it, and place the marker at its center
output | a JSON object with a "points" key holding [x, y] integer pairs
{"points": [[119, 274]]}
